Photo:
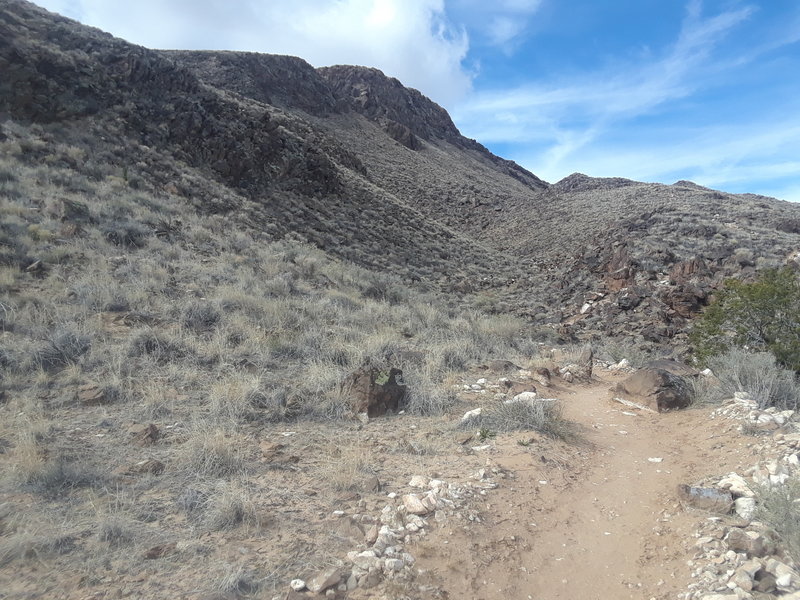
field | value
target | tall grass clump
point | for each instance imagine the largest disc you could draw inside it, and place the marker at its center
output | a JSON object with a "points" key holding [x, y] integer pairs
{"points": [[544, 416], [756, 373]]}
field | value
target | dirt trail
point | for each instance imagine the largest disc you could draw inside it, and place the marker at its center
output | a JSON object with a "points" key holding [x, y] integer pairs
{"points": [[598, 521]]}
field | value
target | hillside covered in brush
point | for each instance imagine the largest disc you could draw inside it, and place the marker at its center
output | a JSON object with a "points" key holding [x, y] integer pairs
{"points": [[355, 164]]}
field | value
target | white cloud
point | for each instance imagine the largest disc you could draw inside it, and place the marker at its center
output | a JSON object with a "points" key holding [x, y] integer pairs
{"points": [[413, 41], [568, 115], [501, 23]]}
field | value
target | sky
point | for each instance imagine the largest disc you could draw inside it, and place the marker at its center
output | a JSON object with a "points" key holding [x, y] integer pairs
{"points": [[652, 90]]}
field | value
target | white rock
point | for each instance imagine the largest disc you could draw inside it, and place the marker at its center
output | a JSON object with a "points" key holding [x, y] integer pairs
{"points": [[475, 386], [415, 505], [471, 414], [418, 481], [745, 507], [623, 364], [707, 373], [297, 585], [736, 484], [481, 381], [654, 459], [523, 397]]}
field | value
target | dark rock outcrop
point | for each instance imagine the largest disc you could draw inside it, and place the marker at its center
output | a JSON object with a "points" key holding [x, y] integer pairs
{"points": [[657, 388]]}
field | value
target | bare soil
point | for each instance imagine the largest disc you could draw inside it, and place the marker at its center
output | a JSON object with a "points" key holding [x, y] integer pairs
{"points": [[596, 521]]}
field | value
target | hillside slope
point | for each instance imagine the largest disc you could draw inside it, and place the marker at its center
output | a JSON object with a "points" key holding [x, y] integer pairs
{"points": [[362, 167]]}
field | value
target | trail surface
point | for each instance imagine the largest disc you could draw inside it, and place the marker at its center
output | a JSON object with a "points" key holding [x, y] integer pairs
{"points": [[599, 520]]}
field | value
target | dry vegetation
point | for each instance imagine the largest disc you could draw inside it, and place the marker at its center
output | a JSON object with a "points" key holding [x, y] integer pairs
{"points": [[121, 309]]}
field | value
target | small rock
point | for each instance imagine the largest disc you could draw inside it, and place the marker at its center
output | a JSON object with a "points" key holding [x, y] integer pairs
{"points": [[745, 507], [418, 481], [414, 505], [161, 551], [394, 564], [471, 414], [144, 435], [736, 484], [91, 394], [298, 585], [710, 499], [324, 580], [750, 542]]}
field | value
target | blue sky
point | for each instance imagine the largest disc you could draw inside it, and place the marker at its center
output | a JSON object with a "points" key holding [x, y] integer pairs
{"points": [[654, 90]]}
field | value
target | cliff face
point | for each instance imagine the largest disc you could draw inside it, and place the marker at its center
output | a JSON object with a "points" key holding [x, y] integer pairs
{"points": [[375, 172]]}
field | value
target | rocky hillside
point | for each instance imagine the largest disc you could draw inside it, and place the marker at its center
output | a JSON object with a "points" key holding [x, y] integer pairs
{"points": [[361, 166]]}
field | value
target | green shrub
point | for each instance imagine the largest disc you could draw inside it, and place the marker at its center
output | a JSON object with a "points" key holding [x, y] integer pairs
{"points": [[761, 316]]}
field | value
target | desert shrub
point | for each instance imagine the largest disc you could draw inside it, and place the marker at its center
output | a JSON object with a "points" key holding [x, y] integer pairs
{"points": [[127, 234], [229, 506], [59, 476], [425, 397], [756, 373], [115, 532], [614, 350], [210, 452], [238, 581], [200, 317], [778, 507], [762, 316], [157, 346], [61, 349], [543, 416]]}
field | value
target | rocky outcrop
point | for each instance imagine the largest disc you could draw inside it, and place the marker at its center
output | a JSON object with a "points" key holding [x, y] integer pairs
{"points": [[375, 392]]}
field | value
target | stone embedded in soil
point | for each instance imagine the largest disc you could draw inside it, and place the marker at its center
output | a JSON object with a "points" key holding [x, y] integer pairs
{"points": [[144, 435], [324, 580], [750, 542], [471, 414], [91, 394], [161, 551], [710, 499], [297, 585], [418, 481]]}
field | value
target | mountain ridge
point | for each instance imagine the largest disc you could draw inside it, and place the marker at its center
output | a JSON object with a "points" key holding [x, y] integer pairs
{"points": [[360, 166]]}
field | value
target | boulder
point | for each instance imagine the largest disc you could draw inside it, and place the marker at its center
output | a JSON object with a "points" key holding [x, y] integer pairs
{"points": [[541, 375], [749, 542], [710, 499], [657, 388], [324, 580], [513, 388], [375, 392], [674, 367]]}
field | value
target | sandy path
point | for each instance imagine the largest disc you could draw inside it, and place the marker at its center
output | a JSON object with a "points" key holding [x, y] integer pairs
{"points": [[594, 522]]}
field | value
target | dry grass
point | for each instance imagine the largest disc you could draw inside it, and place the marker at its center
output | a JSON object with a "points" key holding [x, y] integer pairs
{"points": [[543, 416]]}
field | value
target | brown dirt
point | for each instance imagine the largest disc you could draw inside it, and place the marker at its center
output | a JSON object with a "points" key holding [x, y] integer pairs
{"points": [[596, 521]]}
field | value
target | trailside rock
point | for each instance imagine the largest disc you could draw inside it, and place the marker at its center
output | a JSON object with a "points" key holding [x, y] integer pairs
{"points": [[656, 388], [324, 580], [706, 498], [674, 367], [368, 396]]}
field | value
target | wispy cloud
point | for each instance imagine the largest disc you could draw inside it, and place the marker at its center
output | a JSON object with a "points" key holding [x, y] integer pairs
{"points": [[501, 23], [565, 116]]}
